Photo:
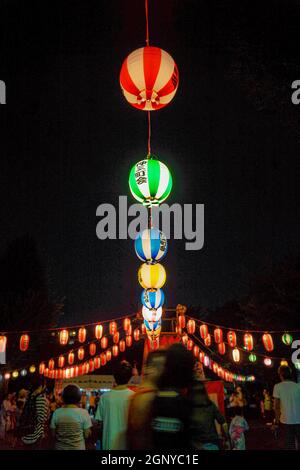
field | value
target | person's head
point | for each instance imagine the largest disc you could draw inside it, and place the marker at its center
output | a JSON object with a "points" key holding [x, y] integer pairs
{"points": [[71, 395], [266, 392], [239, 390], [285, 373], [37, 383], [179, 368], [154, 366], [123, 373]]}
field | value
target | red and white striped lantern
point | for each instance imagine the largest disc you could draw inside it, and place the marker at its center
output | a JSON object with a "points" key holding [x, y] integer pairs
{"points": [[196, 350], [91, 365], [71, 358], [97, 362], [116, 337], [190, 344], [248, 342], [184, 340], [113, 327], [103, 359], [207, 340], [221, 348], [126, 324], [191, 327], [51, 364], [181, 321], [104, 342], [82, 335], [92, 349], [24, 342], [128, 340], [203, 331], [268, 342], [108, 355], [63, 337], [231, 339], [98, 331], [42, 368], [218, 335], [80, 353], [201, 356], [122, 345], [115, 350], [61, 361]]}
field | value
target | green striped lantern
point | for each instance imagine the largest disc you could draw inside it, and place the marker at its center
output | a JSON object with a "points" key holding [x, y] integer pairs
{"points": [[252, 357], [150, 182], [287, 339]]}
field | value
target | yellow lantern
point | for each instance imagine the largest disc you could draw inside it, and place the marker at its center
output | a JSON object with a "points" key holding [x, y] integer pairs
{"points": [[15, 374], [152, 276], [32, 369], [236, 355]]}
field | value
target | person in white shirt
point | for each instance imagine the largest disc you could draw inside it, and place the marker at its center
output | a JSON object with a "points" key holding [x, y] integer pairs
{"points": [[287, 407], [112, 411]]}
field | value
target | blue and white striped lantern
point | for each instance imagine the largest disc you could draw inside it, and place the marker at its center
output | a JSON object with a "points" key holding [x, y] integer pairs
{"points": [[152, 298], [153, 315], [152, 327], [151, 245]]}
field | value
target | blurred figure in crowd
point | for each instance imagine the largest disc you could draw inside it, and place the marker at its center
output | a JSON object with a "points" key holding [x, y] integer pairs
{"points": [[237, 429], [267, 407]]}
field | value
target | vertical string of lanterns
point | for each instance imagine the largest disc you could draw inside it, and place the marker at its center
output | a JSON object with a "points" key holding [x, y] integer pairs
{"points": [[149, 80]]}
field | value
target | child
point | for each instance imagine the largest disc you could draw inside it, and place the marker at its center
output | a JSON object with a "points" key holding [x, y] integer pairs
{"points": [[237, 428]]}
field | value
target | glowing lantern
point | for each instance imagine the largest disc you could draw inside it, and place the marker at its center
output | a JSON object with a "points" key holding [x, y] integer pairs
{"points": [[136, 334], [231, 338], [149, 78], [215, 367], [207, 340], [287, 339], [46, 372], [91, 365], [181, 321], [80, 353], [92, 349], [268, 342], [103, 359], [63, 337], [191, 327], [98, 331], [76, 371], [7, 376], [190, 345], [248, 341], [122, 345], [128, 340], [3, 341], [115, 350], [184, 339], [267, 362], [61, 361], [15, 374], [152, 298], [284, 362], [206, 361], [153, 315], [218, 335], [152, 276], [143, 328], [42, 368], [97, 362], [108, 355], [71, 358], [24, 342], [67, 371], [126, 324], [201, 356], [104, 342], [178, 330], [51, 364], [113, 327], [23, 372], [236, 355], [151, 245], [116, 337], [203, 331], [82, 335], [196, 350], [252, 357], [221, 348]]}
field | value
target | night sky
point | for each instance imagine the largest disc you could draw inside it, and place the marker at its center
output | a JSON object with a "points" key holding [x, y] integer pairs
{"points": [[230, 137]]}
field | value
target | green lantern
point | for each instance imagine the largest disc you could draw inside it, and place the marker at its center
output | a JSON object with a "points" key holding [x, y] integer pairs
{"points": [[150, 182], [252, 357], [287, 339]]}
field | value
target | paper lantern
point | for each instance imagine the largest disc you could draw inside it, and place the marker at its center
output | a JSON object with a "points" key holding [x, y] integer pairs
{"points": [[46, 372], [203, 331], [143, 329], [196, 350], [178, 330], [190, 345], [71, 358], [268, 342], [80, 353], [152, 298], [181, 321], [126, 324], [24, 342], [15, 374], [128, 341], [7, 376], [252, 357], [98, 331], [86, 368], [91, 365], [3, 341], [287, 339], [42, 368], [221, 348], [92, 349], [201, 356], [108, 355], [113, 327], [82, 335], [191, 327], [207, 340], [63, 337], [61, 361], [153, 315], [152, 276], [115, 350], [218, 335], [184, 339], [150, 182], [236, 355], [248, 341], [23, 372], [215, 367], [51, 364], [136, 334], [231, 339], [206, 361], [122, 345], [97, 362], [104, 342], [103, 359], [129, 331], [267, 362], [116, 337], [149, 78], [151, 245]]}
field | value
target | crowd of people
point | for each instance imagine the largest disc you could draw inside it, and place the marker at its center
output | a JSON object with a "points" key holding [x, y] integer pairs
{"points": [[170, 409]]}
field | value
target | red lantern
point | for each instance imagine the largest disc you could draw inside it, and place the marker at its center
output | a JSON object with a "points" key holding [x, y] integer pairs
{"points": [[190, 344], [71, 358], [24, 342], [268, 342], [203, 331], [3, 341], [61, 361], [128, 341], [63, 337], [181, 321], [115, 350], [218, 335], [122, 345], [116, 337], [98, 331], [71, 372], [85, 368], [184, 339], [149, 78], [126, 324], [129, 331], [215, 367], [93, 349], [82, 335], [178, 330], [248, 341], [42, 368], [104, 342], [76, 371], [136, 334], [207, 340], [80, 353], [201, 356], [97, 362], [231, 338], [91, 365], [80, 369], [236, 355], [46, 372], [221, 348], [196, 350], [108, 355], [51, 364], [103, 359], [191, 327], [143, 328], [113, 327]]}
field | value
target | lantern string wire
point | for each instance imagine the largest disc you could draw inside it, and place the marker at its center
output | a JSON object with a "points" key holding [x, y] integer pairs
{"points": [[147, 22]]}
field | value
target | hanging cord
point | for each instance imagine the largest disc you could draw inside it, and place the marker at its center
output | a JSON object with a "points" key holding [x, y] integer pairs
{"points": [[149, 135], [147, 22]]}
